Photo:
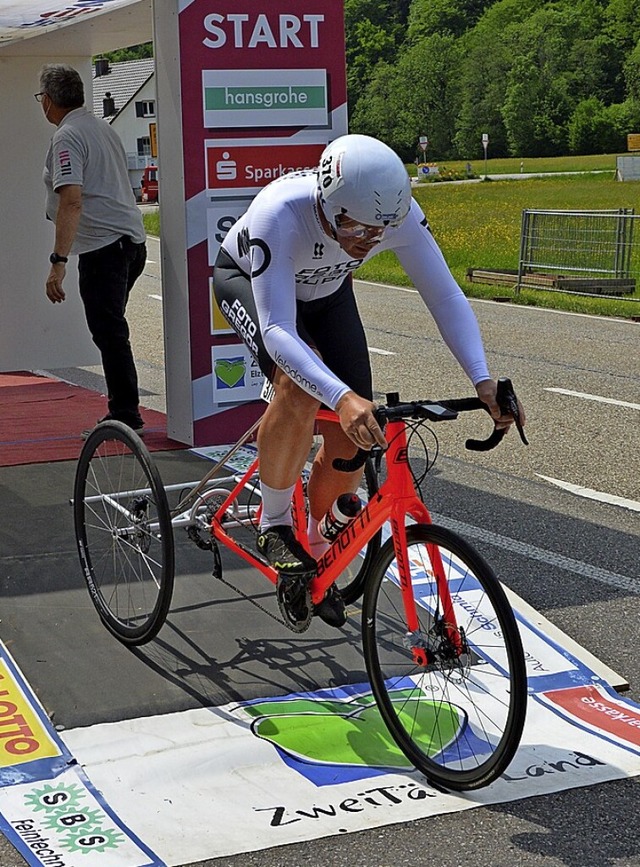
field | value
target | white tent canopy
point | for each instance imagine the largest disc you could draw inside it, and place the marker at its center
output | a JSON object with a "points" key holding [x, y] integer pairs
{"points": [[75, 27], [35, 334]]}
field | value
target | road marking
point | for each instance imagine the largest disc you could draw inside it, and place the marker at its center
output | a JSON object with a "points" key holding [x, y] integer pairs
{"points": [[380, 351], [387, 286], [157, 297], [590, 494], [595, 573], [594, 397], [522, 308]]}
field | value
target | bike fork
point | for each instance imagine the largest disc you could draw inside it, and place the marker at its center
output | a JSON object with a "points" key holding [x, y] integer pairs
{"points": [[447, 636]]}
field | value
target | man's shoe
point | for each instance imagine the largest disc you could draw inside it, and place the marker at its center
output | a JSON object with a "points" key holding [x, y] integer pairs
{"points": [[136, 428], [279, 546], [295, 567], [332, 609]]}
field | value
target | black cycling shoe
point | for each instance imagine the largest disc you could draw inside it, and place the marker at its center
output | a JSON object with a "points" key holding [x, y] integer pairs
{"points": [[136, 427], [332, 609], [295, 567], [279, 546]]}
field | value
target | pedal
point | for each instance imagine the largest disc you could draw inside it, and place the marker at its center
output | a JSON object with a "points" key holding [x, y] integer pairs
{"points": [[294, 602]]}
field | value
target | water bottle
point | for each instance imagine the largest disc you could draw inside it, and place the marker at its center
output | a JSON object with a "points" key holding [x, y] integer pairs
{"points": [[344, 510]]}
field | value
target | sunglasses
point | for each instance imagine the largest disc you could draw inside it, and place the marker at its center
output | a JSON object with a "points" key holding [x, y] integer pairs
{"points": [[358, 231]]}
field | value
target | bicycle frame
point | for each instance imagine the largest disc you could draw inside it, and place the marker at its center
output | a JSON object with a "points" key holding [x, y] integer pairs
{"points": [[395, 500], [412, 587]]}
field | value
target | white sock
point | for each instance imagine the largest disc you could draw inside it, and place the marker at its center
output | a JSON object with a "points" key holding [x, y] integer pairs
{"points": [[317, 543], [276, 506]]}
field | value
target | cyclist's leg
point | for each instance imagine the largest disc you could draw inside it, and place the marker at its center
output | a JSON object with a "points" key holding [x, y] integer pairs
{"points": [[336, 329], [284, 439], [286, 429]]}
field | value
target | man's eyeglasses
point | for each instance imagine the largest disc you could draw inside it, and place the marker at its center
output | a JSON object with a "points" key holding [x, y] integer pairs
{"points": [[358, 231], [39, 96]]}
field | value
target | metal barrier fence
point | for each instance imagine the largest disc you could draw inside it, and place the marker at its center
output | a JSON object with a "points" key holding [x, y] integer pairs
{"points": [[583, 252]]}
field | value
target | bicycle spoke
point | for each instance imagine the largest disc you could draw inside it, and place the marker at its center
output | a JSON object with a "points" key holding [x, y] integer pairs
{"points": [[124, 533], [452, 694]]}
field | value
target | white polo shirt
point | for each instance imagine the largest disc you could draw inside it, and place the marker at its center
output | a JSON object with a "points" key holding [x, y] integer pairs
{"points": [[87, 152]]}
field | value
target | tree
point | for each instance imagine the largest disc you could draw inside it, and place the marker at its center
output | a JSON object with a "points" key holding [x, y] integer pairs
{"points": [[134, 52], [382, 111], [428, 17], [596, 128], [374, 31], [623, 23], [416, 96], [632, 75]]}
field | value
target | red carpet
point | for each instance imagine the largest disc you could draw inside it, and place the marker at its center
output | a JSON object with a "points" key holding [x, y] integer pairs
{"points": [[41, 420]]}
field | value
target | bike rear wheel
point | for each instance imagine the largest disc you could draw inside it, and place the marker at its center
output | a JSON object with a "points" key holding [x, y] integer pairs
{"points": [[453, 700], [123, 532]]}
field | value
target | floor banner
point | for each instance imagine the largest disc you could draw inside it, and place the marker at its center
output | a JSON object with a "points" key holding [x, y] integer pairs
{"points": [[182, 787]]}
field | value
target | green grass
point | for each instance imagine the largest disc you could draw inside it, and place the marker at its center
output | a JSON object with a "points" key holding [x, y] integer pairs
{"points": [[151, 222], [477, 225], [511, 165]]}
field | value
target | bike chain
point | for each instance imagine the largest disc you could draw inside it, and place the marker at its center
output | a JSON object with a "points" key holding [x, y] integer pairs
{"points": [[250, 599], [281, 621]]}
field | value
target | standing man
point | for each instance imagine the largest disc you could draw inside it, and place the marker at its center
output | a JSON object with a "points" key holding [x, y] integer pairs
{"points": [[91, 202]]}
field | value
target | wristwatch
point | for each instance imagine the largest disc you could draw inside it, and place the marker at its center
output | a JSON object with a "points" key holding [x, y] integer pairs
{"points": [[54, 258]]}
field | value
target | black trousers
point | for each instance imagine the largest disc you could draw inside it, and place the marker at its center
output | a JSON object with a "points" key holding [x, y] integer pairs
{"points": [[106, 277]]}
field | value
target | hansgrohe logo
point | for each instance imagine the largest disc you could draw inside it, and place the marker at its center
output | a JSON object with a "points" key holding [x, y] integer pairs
{"points": [[274, 97], [265, 97]]}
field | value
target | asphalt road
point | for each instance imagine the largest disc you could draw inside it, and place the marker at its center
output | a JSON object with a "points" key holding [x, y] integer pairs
{"points": [[579, 379]]}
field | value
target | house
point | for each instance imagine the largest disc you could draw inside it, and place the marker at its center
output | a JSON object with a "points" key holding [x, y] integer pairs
{"points": [[124, 94]]}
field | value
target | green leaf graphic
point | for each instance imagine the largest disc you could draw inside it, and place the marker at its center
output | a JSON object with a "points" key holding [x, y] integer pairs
{"points": [[230, 370], [353, 732]]}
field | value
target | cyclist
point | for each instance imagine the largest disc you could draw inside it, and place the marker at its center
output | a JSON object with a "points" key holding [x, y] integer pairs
{"points": [[283, 279]]}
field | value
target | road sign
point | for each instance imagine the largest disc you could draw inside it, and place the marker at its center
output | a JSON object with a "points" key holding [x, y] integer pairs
{"points": [[153, 139], [485, 145], [633, 141]]}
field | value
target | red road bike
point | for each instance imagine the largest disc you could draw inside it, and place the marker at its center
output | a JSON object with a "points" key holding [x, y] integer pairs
{"points": [[440, 639]]}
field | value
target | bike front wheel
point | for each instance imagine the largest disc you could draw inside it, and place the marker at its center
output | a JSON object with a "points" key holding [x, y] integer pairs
{"points": [[124, 533], [453, 696]]}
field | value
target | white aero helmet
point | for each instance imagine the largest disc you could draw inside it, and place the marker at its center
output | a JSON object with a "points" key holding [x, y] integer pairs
{"points": [[364, 179]]}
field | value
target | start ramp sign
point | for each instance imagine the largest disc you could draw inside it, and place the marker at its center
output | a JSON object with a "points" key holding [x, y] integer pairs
{"points": [[262, 91]]}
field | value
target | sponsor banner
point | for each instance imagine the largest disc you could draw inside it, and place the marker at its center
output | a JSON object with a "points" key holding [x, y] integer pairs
{"points": [[305, 766], [64, 823], [240, 461], [48, 809], [236, 375], [29, 746], [221, 215], [219, 324], [246, 72], [243, 169], [292, 768], [237, 98], [547, 663], [599, 710]]}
